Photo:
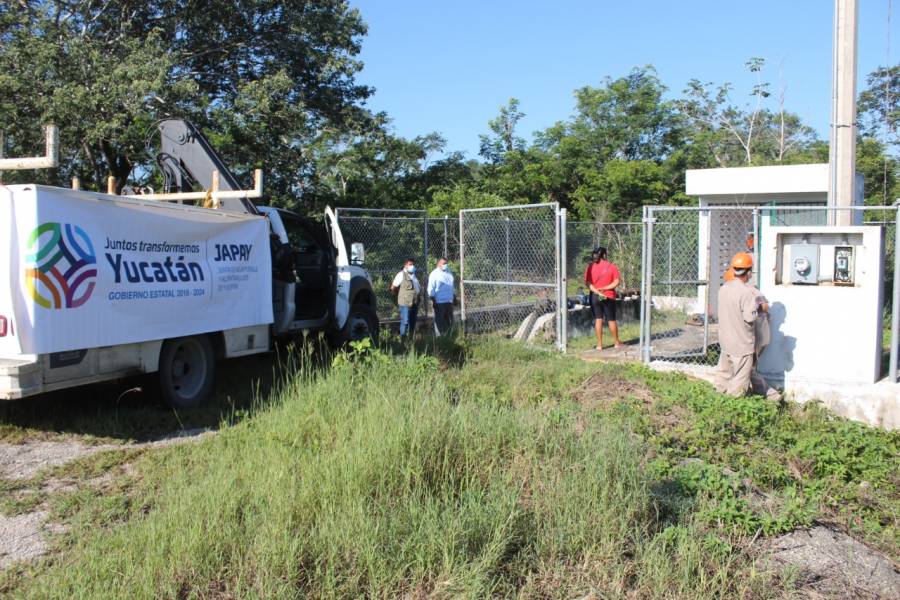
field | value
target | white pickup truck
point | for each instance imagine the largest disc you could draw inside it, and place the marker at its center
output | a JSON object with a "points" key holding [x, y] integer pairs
{"points": [[99, 286]]}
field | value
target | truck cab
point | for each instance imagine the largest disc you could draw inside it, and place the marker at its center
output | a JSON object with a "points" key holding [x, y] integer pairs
{"points": [[317, 286]]}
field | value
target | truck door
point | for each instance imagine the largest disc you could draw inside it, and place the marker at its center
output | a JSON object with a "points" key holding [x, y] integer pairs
{"points": [[314, 265]]}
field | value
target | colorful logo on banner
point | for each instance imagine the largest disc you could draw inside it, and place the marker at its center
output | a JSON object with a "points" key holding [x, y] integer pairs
{"points": [[63, 269]]}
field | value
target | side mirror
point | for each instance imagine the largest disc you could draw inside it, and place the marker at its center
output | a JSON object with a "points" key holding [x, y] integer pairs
{"points": [[357, 253]]}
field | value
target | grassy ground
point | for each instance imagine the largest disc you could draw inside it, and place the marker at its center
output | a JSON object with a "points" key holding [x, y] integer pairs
{"points": [[470, 471]]}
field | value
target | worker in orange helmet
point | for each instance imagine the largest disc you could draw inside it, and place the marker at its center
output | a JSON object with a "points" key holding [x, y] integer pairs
{"points": [[743, 332]]}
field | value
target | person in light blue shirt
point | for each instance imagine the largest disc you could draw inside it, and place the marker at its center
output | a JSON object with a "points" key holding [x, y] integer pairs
{"points": [[440, 290]]}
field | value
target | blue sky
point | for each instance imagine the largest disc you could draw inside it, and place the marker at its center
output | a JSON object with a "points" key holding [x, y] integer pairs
{"points": [[448, 66]]}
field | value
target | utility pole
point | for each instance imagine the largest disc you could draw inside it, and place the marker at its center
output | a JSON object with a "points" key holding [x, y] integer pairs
{"points": [[842, 149]]}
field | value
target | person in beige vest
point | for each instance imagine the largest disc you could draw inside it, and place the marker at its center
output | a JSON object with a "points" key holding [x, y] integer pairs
{"points": [[743, 332], [406, 289]]}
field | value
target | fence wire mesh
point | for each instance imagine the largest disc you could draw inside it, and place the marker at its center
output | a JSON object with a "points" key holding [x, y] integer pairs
{"points": [[512, 272], [687, 252], [623, 244], [390, 237]]}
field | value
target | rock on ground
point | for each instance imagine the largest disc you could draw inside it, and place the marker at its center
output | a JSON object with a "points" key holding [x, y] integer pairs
{"points": [[22, 537], [833, 564]]}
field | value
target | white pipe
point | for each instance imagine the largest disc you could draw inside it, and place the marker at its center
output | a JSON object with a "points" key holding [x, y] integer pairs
{"points": [[256, 192], [48, 161]]}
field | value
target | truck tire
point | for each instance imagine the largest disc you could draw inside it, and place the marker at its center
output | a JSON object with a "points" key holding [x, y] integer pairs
{"points": [[187, 371], [362, 322]]}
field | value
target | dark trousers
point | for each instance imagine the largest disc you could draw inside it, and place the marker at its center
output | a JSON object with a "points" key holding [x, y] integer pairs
{"points": [[408, 319], [443, 317]]}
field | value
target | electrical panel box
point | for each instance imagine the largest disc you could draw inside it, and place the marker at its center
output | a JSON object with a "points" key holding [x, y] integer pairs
{"points": [[803, 263], [843, 265]]}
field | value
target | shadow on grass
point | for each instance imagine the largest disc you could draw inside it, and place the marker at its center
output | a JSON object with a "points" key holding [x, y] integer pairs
{"points": [[131, 409]]}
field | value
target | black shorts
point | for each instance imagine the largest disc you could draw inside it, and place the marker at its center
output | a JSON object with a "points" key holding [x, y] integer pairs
{"points": [[604, 309]]}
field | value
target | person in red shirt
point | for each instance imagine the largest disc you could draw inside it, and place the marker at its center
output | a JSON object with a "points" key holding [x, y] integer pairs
{"points": [[602, 278]]}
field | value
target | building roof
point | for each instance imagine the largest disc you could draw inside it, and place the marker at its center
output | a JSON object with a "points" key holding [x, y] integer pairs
{"points": [[783, 179]]}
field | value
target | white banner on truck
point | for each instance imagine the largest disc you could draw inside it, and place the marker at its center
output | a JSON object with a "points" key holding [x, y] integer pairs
{"points": [[87, 270]]}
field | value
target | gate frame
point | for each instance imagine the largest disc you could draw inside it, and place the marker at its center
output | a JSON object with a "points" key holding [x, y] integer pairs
{"points": [[559, 219]]}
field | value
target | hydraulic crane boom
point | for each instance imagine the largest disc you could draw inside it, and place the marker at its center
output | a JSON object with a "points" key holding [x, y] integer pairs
{"points": [[186, 158]]}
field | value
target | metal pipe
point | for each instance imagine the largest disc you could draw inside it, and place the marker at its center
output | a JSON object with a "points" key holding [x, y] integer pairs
{"points": [[256, 192], [384, 210], [643, 280], [564, 284], [553, 205], [769, 208], [558, 290], [48, 161], [509, 283], [682, 282], [757, 272], [708, 286], [649, 350], [895, 303], [425, 264]]}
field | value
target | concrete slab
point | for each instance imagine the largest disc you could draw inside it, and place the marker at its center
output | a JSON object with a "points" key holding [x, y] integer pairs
{"points": [[629, 353]]}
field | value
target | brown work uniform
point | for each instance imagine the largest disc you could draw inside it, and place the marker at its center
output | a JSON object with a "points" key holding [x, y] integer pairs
{"points": [[738, 314]]}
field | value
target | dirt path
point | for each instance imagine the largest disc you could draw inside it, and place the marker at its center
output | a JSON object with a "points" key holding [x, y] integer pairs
{"points": [[24, 536]]}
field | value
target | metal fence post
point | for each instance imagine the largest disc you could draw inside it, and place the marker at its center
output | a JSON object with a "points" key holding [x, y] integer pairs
{"points": [[425, 263], [649, 291], [446, 252], [462, 273], [756, 253], [895, 309], [556, 218], [642, 294], [563, 281]]}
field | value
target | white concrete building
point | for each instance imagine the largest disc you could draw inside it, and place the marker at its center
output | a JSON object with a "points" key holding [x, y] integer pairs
{"points": [[724, 232], [827, 337]]}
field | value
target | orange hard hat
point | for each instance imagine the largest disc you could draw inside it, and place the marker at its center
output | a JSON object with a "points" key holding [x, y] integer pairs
{"points": [[742, 261], [729, 275]]}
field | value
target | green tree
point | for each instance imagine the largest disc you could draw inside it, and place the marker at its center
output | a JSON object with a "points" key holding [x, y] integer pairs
{"points": [[878, 107], [502, 139], [262, 78], [735, 135]]}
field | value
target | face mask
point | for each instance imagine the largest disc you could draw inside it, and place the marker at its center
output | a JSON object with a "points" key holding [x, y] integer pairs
{"points": [[411, 269], [444, 267]]}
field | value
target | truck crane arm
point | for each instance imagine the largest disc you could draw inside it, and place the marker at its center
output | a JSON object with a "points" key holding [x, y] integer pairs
{"points": [[186, 158]]}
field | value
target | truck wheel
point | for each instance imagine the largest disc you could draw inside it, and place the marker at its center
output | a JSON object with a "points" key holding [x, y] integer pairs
{"points": [[362, 322], [187, 371]]}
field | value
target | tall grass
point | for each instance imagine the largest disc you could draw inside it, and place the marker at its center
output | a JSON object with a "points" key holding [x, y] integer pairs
{"points": [[395, 479]]}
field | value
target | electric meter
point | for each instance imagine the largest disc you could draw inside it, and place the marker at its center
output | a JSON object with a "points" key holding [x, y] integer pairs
{"points": [[803, 263], [802, 266], [843, 265]]}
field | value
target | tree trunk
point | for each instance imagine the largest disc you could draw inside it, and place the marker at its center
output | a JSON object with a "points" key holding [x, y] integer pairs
{"points": [[119, 165]]}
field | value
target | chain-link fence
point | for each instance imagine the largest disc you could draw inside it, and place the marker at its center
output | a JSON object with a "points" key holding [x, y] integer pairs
{"points": [[390, 237], [623, 244], [512, 271], [687, 251]]}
